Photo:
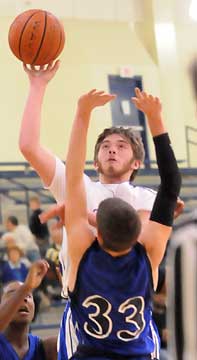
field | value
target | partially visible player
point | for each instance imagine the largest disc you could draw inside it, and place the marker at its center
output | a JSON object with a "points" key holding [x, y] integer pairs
{"points": [[182, 281], [16, 314], [193, 75], [112, 278]]}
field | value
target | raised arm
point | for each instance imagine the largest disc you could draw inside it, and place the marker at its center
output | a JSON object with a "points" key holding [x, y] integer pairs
{"points": [[29, 142], [158, 229], [9, 307], [79, 233]]}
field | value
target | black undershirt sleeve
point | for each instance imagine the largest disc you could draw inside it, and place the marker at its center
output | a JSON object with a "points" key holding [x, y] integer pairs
{"points": [[166, 199]]}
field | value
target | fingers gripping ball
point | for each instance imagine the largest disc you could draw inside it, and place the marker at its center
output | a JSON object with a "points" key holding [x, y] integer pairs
{"points": [[36, 37]]}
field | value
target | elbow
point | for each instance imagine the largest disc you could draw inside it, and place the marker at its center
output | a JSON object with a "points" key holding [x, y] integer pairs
{"points": [[176, 183], [172, 185], [26, 148], [23, 147]]}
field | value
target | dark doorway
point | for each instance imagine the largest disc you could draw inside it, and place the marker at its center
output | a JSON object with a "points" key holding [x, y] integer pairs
{"points": [[124, 112]]}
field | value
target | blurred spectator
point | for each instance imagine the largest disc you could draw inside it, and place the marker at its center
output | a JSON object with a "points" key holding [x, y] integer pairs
{"points": [[23, 238], [52, 257], [52, 254], [40, 231], [7, 240], [14, 268]]}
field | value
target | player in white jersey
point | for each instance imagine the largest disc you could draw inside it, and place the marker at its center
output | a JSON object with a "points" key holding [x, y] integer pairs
{"points": [[51, 169]]}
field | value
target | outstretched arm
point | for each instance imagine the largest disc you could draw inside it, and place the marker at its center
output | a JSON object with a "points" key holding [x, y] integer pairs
{"points": [[29, 142], [80, 235], [8, 307], [59, 210], [158, 229]]}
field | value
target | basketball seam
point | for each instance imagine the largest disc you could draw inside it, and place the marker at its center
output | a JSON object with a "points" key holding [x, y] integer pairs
{"points": [[43, 36], [20, 40]]}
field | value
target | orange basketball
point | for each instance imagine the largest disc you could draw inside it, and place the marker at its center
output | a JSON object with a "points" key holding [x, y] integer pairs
{"points": [[36, 37]]}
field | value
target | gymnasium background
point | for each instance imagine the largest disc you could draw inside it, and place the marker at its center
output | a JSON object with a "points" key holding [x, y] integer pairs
{"points": [[155, 38]]}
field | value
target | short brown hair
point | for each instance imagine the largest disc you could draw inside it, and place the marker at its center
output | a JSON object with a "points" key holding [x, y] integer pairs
{"points": [[15, 247], [118, 223], [134, 139]]}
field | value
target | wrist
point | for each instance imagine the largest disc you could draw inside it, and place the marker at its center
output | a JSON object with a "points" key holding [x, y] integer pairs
{"points": [[82, 111], [154, 116], [27, 287], [37, 84], [156, 125], [161, 139]]}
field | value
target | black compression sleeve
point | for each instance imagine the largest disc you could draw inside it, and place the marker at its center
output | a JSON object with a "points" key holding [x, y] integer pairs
{"points": [[165, 202]]}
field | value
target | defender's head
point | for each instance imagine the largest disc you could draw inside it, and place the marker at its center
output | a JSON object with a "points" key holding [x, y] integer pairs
{"points": [[118, 151], [26, 310], [118, 225]]}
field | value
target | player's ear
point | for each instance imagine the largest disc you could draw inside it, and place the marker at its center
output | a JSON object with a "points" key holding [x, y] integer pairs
{"points": [[136, 164], [96, 166], [99, 238]]}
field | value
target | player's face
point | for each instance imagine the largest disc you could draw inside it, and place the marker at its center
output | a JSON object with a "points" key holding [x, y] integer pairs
{"points": [[115, 158], [25, 312]]}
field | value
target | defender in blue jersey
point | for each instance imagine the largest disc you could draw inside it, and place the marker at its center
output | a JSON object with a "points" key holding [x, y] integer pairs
{"points": [[16, 314], [35, 349], [111, 279]]}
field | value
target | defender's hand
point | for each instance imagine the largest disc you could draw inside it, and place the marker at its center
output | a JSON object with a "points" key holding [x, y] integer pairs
{"points": [[150, 105], [93, 99], [36, 273]]}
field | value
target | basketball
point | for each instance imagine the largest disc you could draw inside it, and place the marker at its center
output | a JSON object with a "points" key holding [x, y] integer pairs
{"points": [[36, 37]]}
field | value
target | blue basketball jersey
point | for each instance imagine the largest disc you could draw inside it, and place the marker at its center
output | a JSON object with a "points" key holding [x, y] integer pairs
{"points": [[111, 305], [7, 352], [68, 338]]}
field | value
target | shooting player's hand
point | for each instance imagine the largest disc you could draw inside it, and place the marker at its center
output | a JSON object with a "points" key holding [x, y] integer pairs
{"points": [[43, 74]]}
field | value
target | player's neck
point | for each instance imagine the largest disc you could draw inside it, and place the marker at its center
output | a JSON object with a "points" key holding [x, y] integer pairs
{"points": [[117, 254], [104, 179], [17, 334]]}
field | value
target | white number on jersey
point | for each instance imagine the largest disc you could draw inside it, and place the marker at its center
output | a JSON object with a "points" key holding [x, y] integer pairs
{"points": [[100, 318], [101, 324]]}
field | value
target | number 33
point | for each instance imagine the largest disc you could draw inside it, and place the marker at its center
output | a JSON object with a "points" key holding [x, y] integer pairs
{"points": [[103, 322]]}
